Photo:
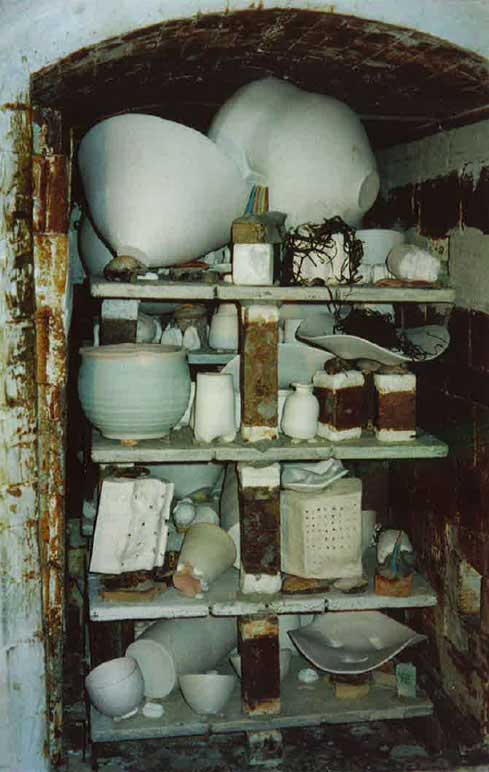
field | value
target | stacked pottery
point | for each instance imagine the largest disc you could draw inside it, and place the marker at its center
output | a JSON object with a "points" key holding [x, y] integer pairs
{"points": [[134, 391], [224, 328], [301, 413]]}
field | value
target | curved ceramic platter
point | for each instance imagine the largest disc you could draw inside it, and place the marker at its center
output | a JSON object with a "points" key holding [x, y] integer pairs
{"points": [[353, 641], [318, 331], [296, 363]]}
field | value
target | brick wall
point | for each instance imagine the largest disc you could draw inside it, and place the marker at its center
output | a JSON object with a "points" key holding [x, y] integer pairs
{"points": [[438, 189]]}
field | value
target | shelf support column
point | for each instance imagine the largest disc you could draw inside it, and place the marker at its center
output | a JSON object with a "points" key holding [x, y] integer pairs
{"points": [[260, 664], [259, 502], [259, 372], [119, 321]]}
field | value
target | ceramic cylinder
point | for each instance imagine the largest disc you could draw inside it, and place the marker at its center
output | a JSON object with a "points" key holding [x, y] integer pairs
{"points": [[224, 329], [214, 408], [173, 647], [134, 391], [208, 550], [301, 412]]}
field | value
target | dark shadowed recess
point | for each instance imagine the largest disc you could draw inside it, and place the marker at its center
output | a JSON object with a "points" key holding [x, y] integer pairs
{"points": [[405, 84]]}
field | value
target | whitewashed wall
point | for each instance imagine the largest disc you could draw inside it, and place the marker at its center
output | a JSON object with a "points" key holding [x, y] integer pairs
{"points": [[33, 34]]}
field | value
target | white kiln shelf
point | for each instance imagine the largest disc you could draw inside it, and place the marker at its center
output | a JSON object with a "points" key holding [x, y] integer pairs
{"points": [[224, 599], [302, 705], [172, 290], [180, 446]]}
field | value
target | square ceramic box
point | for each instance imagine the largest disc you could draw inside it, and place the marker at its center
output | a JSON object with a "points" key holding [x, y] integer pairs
{"points": [[253, 264]]}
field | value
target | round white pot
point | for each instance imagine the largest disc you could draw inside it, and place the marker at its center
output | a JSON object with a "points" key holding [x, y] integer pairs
{"points": [[377, 243], [132, 390], [116, 687], [174, 647], [207, 692], [157, 190], [311, 150], [301, 413]]}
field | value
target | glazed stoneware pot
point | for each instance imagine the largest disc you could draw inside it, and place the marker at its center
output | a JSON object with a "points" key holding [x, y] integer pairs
{"points": [[134, 391], [157, 190], [116, 687], [312, 151]]}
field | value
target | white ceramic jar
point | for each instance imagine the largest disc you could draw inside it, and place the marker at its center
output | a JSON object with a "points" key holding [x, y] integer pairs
{"points": [[157, 190], [224, 329], [134, 391], [301, 413], [214, 414]]}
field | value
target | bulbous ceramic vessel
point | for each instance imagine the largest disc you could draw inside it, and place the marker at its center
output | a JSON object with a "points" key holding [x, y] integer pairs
{"points": [[157, 190], [312, 151], [301, 413], [94, 253], [116, 687], [132, 390]]}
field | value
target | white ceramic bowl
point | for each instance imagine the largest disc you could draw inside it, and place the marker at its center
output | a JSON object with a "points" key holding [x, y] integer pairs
{"points": [[377, 243], [132, 390], [188, 478], [157, 190], [207, 692], [116, 687]]}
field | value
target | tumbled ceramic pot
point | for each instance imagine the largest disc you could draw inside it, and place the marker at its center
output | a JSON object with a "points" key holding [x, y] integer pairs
{"points": [[116, 687], [207, 552], [312, 151], [207, 692], [173, 647], [134, 391], [157, 190], [94, 253]]}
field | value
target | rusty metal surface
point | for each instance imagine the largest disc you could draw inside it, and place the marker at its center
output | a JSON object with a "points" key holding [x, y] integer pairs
{"points": [[377, 68], [259, 374], [50, 222], [260, 530], [260, 666]]}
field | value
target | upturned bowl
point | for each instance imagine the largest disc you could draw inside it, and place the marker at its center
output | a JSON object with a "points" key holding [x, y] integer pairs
{"points": [[116, 687], [207, 692], [134, 391]]}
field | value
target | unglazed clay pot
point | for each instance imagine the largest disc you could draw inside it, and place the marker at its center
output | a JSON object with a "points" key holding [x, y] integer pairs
{"points": [[301, 413], [94, 253], [157, 190], [116, 687], [173, 647], [207, 692], [224, 329], [134, 391], [207, 552], [311, 151], [214, 414]]}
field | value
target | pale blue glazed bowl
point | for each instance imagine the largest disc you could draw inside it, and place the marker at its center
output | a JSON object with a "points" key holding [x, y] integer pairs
{"points": [[134, 391]]}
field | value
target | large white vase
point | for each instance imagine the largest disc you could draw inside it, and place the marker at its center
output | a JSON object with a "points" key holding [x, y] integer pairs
{"points": [[158, 190], [311, 150], [132, 390], [94, 253]]}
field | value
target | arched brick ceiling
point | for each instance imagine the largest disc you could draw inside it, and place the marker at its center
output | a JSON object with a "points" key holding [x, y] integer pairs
{"points": [[409, 83]]}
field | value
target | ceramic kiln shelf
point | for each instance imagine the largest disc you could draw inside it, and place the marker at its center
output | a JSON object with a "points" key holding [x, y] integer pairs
{"points": [[180, 446], [224, 599], [168, 290], [302, 705]]}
